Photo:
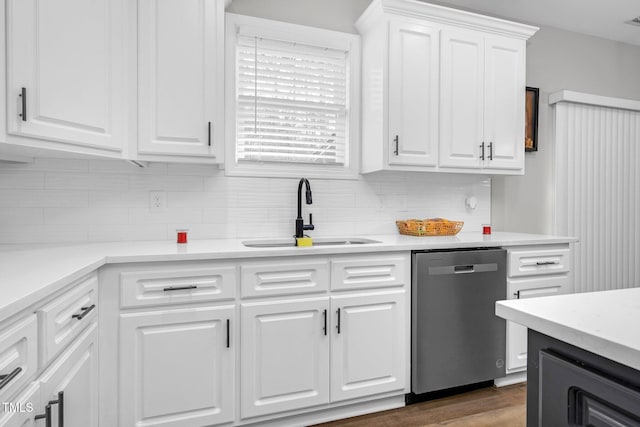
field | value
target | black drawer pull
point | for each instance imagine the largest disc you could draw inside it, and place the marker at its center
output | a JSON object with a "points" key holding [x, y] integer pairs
{"points": [[23, 98], [228, 334], [85, 311], [6, 379], [546, 263], [324, 328], [338, 325], [179, 288]]}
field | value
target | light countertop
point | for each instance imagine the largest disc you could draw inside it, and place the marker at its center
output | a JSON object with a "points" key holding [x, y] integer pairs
{"points": [[605, 323], [29, 273]]}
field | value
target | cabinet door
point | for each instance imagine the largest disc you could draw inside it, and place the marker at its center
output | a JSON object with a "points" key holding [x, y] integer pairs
{"points": [[461, 99], [285, 356], [504, 103], [65, 64], [22, 410], [369, 347], [517, 334], [177, 367], [73, 379], [413, 94], [179, 76]]}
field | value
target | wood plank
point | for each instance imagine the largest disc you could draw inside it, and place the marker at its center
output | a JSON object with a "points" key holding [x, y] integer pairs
{"points": [[487, 407]]}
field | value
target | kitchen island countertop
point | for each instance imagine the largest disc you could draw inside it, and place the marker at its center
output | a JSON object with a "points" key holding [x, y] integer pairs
{"points": [[604, 323]]}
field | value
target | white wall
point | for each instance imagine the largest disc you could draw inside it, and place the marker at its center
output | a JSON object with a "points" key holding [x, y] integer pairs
{"points": [[559, 60], [58, 200]]}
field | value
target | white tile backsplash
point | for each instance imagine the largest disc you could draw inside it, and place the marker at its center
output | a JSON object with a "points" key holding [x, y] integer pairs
{"points": [[64, 200]]}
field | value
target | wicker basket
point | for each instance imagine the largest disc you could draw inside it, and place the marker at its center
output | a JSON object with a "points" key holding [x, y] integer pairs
{"points": [[429, 227]]}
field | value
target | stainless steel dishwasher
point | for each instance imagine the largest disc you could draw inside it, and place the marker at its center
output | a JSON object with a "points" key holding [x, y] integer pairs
{"points": [[456, 337]]}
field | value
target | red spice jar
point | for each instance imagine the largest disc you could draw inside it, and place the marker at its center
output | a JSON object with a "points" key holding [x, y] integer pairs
{"points": [[182, 236]]}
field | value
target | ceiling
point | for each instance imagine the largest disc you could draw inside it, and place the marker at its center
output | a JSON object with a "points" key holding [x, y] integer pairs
{"points": [[600, 18]]}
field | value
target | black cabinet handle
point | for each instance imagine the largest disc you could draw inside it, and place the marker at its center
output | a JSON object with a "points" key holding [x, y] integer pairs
{"points": [[85, 311], [324, 328], [482, 151], [516, 294], [546, 263], [23, 96], [228, 334], [338, 324], [46, 416], [6, 379], [396, 139], [60, 403], [491, 151], [209, 134], [47, 411], [179, 288]]}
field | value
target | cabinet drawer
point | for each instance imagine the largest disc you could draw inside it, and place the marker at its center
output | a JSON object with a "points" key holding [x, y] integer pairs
{"points": [[66, 316], [177, 285], [284, 277], [543, 260], [538, 286], [350, 273], [18, 356]]}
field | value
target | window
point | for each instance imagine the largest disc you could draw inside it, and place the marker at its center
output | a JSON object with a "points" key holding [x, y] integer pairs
{"points": [[292, 100]]}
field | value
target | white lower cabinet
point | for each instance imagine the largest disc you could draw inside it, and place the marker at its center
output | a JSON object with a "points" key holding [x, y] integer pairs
{"points": [[70, 384], [368, 349], [272, 350], [536, 271], [177, 367], [293, 349], [285, 355]]}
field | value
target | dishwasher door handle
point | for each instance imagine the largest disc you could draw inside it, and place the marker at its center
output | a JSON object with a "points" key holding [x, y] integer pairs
{"points": [[463, 269]]}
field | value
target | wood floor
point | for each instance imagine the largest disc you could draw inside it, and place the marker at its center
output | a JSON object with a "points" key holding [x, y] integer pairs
{"points": [[487, 407]]}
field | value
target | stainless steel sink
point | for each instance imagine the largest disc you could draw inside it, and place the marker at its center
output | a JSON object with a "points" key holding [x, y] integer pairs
{"points": [[329, 241]]}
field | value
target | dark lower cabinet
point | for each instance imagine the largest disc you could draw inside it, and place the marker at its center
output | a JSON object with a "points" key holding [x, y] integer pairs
{"points": [[568, 386]]}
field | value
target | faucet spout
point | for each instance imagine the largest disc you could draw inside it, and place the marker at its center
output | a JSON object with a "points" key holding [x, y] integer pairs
{"points": [[300, 225]]}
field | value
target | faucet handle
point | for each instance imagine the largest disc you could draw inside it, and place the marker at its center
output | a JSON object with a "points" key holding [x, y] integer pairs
{"points": [[309, 226]]}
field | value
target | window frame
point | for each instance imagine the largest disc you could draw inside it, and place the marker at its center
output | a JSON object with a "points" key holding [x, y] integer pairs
{"points": [[297, 34]]}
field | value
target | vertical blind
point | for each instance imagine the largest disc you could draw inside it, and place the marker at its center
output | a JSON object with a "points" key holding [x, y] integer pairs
{"points": [[597, 193], [292, 103]]}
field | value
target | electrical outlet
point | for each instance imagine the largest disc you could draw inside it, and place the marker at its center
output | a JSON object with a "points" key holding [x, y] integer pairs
{"points": [[157, 201]]}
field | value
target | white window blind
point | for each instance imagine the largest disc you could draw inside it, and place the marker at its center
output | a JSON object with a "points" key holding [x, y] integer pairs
{"points": [[292, 103]]}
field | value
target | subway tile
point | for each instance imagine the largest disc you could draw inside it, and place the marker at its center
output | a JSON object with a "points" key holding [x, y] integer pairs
{"points": [[86, 216], [45, 234], [72, 181], [120, 199], [169, 215], [43, 198], [166, 183], [124, 167], [19, 180], [20, 216], [126, 232]]}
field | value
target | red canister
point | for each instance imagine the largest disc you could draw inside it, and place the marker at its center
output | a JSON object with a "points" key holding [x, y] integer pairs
{"points": [[486, 229], [182, 236]]}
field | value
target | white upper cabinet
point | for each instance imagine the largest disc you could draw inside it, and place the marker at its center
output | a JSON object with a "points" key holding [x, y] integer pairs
{"points": [[443, 89], [462, 100], [482, 102], [413, 94], [504, 101], [180, 77], [65, 73]]}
